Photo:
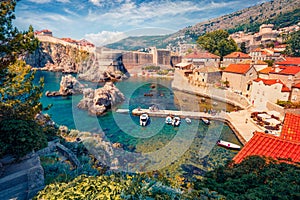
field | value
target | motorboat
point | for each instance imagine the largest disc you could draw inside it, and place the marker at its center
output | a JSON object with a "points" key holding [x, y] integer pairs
{"points": [[176, 121], [144, 119], [214, 103], [188, 120], [169, 120], [228, 145], [205, 120]]}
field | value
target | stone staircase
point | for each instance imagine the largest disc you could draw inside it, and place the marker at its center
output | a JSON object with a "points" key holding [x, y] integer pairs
{"points": [[21, 181]]}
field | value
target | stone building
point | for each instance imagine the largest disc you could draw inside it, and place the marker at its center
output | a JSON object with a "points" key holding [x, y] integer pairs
{"points": [[205, 75], [288, 75], [239, 77], [234, 58], [264, 90], [295, 94], [200, 59]]}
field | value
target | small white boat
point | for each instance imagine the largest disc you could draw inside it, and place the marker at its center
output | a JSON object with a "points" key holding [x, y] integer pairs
{"points": [[169, 120], [188, 120], [228, 145], [215, 103], [144, 118], [205, 120], [176, 121]]}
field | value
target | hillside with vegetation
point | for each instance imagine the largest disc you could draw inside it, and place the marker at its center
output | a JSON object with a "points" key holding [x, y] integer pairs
{"points": [[279, 12]]}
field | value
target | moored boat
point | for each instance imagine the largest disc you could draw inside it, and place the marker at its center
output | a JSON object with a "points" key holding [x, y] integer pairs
{"points": [[205, 120], [188, 120], [169, 120], [176, 121], [228, 145], [144, 119]]}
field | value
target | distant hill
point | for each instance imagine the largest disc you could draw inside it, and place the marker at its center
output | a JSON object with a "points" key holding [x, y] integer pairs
{"points": [[139, 42], [279, 12]]}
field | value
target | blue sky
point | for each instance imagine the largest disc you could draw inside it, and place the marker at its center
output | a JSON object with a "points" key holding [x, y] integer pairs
{"points": [[102, 21]]}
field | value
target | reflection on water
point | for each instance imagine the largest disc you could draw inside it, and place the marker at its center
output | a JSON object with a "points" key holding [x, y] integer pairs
{"points": [[201, 155]]}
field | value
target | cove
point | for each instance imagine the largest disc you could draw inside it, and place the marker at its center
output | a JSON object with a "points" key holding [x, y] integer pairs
{"points": [[192, 147]]}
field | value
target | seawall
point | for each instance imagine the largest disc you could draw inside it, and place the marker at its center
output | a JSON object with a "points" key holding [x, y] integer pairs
{"points": [[181, 83]]}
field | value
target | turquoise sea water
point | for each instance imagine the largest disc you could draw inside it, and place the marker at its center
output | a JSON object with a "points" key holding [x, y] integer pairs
{"points": [[194, 144]]}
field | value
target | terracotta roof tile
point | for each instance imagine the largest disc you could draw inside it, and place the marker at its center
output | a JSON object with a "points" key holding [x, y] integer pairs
{"points": [[202, 55], [272, 82], [291, 127], [290, 61], [237, 68], [239, 55], [292, 70], [267, 70], [297, 85], [262, 144]]}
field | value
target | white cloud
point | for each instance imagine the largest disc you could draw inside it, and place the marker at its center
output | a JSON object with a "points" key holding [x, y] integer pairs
{"points": [[40, 1], [48, 1], [96, 2], [105, 37], [63, 1], [132, 14]]}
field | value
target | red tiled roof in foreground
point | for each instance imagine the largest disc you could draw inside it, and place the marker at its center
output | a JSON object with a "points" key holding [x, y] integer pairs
{"points": [[238, 55], [267, 145], [291, 127], [237, 68], [272, 82], [202, 55]]}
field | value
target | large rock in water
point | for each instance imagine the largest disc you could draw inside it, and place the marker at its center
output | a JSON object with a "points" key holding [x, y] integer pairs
{"points": [[69, 85], [99, 100]]}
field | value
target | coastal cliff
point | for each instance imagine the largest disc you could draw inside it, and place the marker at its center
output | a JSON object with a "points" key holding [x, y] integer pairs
{"points": [[57, 57], [91, 64]]}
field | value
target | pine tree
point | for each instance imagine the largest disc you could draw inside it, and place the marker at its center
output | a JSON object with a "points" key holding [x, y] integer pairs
{"points": [[19, 97]]}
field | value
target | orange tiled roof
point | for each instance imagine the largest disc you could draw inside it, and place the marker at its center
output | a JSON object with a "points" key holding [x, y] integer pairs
{"points": [[239, 55], [266, 70], [292, 70], [267, 145], [291, 127], [237, 68], [297, 85], [202, 55], [257, 50], [272, 82], [289, 61]]}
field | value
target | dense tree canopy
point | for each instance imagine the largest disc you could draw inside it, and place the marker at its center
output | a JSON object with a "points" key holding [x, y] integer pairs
{"points": [[294, 44], [19, 97], [217, 42], [19, 137], [256, 178]]}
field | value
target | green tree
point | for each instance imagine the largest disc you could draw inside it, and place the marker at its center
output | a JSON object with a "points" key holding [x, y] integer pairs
{"points": [[19, 137], [293, 48], [19, 97], [243, 47], [217, 42], [255, 178]]}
